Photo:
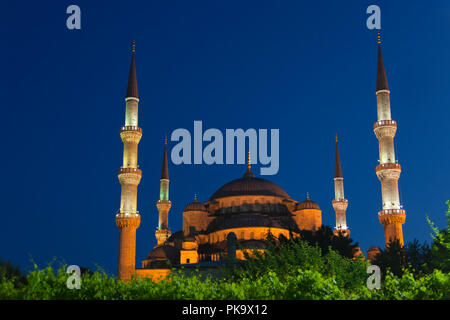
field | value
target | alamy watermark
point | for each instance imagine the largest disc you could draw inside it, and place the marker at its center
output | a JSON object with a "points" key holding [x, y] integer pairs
{"points": [[374, 20], [213, 151], [74, 20], [74, 280], [374, 280]]}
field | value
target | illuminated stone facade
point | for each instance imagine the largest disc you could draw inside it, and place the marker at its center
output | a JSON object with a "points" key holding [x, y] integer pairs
{"points": [[392, 216], [339, 202], [246, 209], [249, 207], [128, 217]]}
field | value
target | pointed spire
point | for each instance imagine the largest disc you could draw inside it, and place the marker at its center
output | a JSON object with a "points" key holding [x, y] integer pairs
{"points": [[249, 173], [195, 197], [337, 164], [165, 166], [132, 90], [382, 83], [307, 195]]}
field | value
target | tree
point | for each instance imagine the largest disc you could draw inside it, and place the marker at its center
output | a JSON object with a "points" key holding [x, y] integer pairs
{"points": [[418, 256], [392, 258], [441, 244], [324, 238], [8, 272]]}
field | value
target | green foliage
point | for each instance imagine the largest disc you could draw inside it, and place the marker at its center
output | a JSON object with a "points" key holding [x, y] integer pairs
{"points": [[312, 283], [286, 257], [325, 239], [419, 258], [11, 273], [441, 245], [391, 259], [288, 269], [432, 286]]}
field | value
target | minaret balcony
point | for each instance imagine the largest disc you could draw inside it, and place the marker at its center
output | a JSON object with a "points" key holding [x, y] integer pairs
{"points": [[341, 231], [131, 128], [131, 134], [127, 214], [129, 176], [392, 216], [340, 204], [130, 170], [131, 220], [385, 128], [391, 211], [390, 123], [340, 200], [388, 166], [388, 171]]}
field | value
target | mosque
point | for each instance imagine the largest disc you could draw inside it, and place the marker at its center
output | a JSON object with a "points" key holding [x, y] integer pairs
{"points": [[244, 210]]}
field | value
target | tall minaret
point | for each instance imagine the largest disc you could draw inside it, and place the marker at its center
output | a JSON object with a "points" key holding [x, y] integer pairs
{"points": [[128, 219], [340, 204], [163, 204], [392, 217]]}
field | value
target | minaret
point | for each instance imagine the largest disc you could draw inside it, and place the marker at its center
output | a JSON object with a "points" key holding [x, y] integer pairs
{"points": [[163, 204], [392, 216], [128, 219], [340, 204]]}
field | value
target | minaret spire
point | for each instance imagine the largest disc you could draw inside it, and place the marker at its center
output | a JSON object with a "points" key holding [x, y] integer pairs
{"points": [[340, 204], [128, 218], [337, 163], [163, 204], [132, 89], [165, 166], [392, 216], [382, 83]]}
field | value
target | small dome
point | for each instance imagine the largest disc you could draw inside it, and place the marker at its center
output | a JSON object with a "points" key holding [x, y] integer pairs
{"points": [[164, 252], [195, 206], [307, 204]]}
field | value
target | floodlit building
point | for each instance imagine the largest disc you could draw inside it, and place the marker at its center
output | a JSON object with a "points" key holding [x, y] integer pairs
{"points": [[244, 210]]}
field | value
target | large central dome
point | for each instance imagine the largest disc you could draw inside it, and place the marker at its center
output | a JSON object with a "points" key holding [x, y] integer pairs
{"points": [[249, 185]]}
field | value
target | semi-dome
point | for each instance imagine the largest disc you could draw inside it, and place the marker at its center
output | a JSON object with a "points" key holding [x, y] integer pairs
{"points": [[249, 185], [307, 204]]}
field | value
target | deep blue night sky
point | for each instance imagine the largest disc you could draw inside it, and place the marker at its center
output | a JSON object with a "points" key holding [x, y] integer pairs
{"points": [[305, 67]]}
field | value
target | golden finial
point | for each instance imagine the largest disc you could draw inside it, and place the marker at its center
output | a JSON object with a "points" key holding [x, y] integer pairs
{"points": [[165, 140], [379, 38], [248, 161], [133, 47], [195, 197], [336, 137], [307, 195]]}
